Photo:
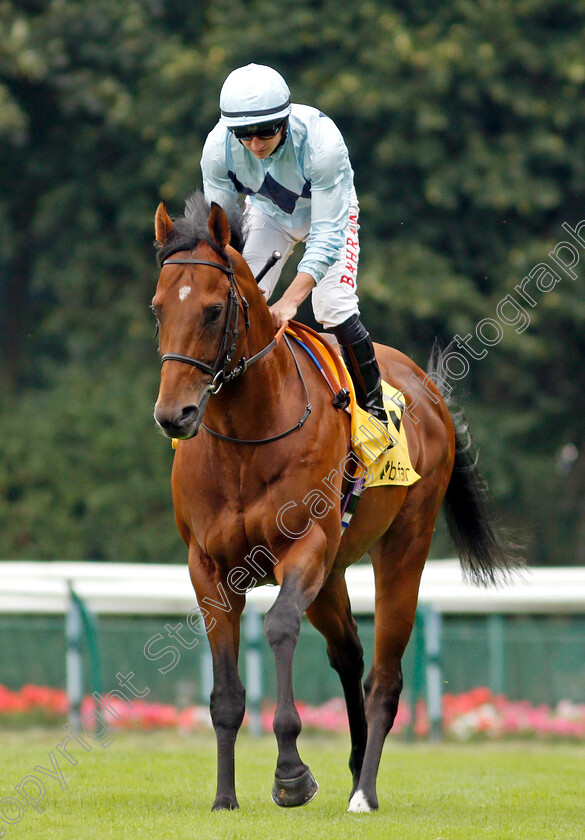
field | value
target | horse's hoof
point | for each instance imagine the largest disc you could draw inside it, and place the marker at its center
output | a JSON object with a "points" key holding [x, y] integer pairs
{"points": [[288, 793], [358, 804], [225, 803]]}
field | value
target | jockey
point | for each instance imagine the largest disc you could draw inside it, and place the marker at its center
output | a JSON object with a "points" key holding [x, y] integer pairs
{"points": [[292, 165]]}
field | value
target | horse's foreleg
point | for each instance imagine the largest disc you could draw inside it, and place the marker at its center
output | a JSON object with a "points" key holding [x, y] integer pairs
{"points": [[228, 697], [330, 613], [227, 706], [397, 570], [300, 582]]}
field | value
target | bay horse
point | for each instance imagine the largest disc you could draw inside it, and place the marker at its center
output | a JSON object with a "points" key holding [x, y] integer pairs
{"points": [[241, 485]]}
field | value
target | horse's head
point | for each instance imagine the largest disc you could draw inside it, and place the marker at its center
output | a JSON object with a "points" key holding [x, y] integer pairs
{"points": [[201, 312]]}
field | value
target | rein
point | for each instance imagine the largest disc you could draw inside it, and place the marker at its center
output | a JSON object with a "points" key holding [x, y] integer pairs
{"points": [[218, 371]]}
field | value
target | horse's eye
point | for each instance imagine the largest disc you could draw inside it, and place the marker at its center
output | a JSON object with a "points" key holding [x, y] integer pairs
{"points": [[214, 313]]}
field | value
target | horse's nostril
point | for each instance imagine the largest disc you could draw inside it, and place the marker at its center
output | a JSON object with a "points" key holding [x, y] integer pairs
{"points": [[188, 415], [175, 422]]}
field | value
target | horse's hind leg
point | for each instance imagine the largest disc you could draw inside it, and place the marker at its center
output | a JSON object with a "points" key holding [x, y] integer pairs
{"points": [[398, 571], [330, 613]]}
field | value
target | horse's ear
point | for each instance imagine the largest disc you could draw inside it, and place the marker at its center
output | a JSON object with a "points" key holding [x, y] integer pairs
{"points": [[219, 227], [162, 223]]}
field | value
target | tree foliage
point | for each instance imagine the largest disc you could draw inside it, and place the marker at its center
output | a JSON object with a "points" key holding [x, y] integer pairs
{"points": [[465, 129]]}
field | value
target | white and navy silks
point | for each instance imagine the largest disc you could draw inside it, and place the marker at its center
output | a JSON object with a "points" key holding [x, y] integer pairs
{"points": [[303, 192]]}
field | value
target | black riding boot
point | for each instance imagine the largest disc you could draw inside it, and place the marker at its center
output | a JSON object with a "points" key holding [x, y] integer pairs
{"points": [[358, 353]]}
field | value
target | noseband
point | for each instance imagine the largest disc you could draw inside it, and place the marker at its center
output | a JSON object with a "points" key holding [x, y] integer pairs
{"points": [[218, 371]]}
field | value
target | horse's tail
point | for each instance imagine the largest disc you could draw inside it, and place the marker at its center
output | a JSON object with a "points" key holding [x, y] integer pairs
{"points": [[487, 556]]}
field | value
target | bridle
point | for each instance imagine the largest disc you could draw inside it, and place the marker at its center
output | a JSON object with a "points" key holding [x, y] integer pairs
{"points": [[219, 372], [219, 369]]}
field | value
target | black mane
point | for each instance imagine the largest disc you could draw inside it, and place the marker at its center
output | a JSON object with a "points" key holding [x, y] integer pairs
{"points": [[192, 228]]}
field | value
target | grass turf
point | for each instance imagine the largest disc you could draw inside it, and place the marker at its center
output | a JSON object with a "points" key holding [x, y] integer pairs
{"points": [[161, 786]]}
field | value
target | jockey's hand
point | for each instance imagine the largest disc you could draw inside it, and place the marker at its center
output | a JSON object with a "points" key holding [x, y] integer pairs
{"points": [[285, 309], [282, 312]]}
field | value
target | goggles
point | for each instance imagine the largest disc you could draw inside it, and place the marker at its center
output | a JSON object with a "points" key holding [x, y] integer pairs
{"points": [[263, 132]]}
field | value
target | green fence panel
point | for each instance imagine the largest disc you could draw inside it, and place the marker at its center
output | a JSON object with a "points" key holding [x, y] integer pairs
{"points": [[526, 657], [32, 650]]}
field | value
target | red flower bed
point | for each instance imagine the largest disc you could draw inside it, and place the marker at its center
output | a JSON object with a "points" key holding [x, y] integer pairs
{"points": [[33, 698], [476, 713]]}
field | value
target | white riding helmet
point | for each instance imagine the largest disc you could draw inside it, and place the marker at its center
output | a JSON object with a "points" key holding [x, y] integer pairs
{"points": [[253, 95]]}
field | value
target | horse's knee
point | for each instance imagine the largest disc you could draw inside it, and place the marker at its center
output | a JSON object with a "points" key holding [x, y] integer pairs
{"points": [[282, 624], [227, 707]]}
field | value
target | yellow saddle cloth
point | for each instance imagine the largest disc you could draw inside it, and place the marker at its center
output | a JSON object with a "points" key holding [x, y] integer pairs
{"points": [[382, 451]]}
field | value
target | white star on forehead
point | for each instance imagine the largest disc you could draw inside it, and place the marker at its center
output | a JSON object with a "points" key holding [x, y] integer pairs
{"points": [[184, 291]]}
